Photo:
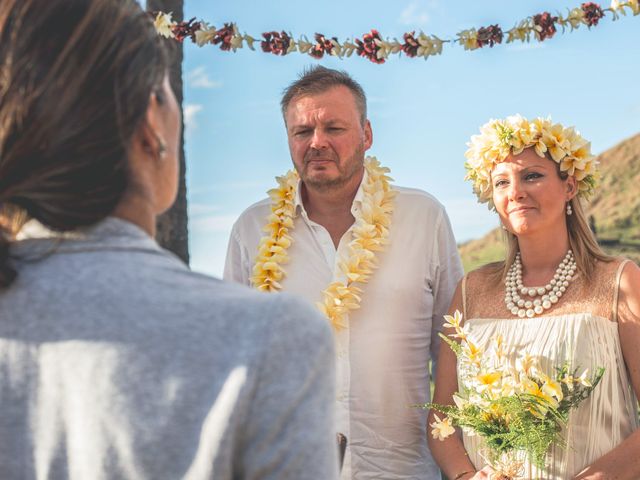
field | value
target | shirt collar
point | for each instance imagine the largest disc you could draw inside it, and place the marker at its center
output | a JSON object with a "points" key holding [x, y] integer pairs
{"points": [[355, 206], [111, 232]]}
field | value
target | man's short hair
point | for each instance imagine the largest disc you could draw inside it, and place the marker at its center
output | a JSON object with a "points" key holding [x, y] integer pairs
{"points": [[318, 79]]}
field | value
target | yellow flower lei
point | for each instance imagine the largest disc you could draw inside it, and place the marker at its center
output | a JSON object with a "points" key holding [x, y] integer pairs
{"points": [[500, 138], [370, 233]]}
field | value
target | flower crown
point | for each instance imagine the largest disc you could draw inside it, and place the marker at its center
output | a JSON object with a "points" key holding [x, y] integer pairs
{"points": [[500, 138]]}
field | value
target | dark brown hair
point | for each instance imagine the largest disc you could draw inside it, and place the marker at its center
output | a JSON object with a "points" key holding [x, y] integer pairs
{"points": [[75, 82], [318, 79]]}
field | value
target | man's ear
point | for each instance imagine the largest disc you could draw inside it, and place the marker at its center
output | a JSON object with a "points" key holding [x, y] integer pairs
{"points": [[368, 135]]}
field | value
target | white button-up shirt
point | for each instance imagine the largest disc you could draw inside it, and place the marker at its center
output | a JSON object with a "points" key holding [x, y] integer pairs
{"points": [[382, 358]]}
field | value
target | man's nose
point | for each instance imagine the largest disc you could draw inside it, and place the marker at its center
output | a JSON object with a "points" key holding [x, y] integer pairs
{"points": [[319, 140]]}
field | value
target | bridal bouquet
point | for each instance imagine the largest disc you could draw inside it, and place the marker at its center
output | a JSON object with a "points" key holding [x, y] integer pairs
{"points": [[513, 405]]}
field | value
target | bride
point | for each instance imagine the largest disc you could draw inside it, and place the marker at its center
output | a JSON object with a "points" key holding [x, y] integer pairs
{"points": [[556, 297]]}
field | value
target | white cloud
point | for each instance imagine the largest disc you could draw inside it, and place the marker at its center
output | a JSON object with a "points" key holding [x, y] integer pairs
{"points": [[198, 78], [414, 14], [213, 223], [190, 112]]}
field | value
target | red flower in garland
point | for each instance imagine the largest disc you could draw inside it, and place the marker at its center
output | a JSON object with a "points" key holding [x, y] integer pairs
{"points": [[182, 30], [489, 35], [368, 48], [410, 45], [545, 24], [322, 46], [276, 43], [592, 13], [224, 37]]}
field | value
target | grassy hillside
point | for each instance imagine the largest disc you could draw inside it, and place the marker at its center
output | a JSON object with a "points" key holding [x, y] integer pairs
{"points": [[615, 209]]}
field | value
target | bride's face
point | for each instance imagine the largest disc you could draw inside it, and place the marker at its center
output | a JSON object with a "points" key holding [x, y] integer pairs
{"points": [[529, 195]]}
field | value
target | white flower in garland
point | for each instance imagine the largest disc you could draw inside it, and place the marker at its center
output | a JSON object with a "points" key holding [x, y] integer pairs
{"points": [[205, 34], [163, 24], [370, 234]]}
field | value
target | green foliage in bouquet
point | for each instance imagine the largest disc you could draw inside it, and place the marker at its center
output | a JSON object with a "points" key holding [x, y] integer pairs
{"points": [[513, 406]]}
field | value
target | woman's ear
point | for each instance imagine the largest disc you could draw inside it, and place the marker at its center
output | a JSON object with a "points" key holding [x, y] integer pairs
{"points": [[149, 140], [572, 187]]}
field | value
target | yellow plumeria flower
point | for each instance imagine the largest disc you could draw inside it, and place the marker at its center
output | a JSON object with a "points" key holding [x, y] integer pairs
{"points": [[527, 364], [453, 321], [532, 388], [472, 352], [583, 380], [553, 389], [499, 341], [441, 428], [487, 381], [459, 401]]}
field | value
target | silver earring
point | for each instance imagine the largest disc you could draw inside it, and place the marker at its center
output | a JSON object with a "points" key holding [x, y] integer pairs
{"points": [[162, 148], [503, 227], [569, 209]]}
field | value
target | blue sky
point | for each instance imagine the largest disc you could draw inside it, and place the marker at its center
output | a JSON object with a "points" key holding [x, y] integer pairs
{"points": [[422, 112]]}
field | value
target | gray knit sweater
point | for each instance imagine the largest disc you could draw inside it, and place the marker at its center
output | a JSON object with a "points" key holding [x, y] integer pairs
{"points": [[117, 362]]}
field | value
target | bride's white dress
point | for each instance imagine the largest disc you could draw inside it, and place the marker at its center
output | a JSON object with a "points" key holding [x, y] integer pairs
{"points": [[582, 330]]}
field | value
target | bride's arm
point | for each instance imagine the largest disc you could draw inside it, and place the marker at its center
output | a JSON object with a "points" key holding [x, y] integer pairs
{"points": [[623, 462], [449, 453]]}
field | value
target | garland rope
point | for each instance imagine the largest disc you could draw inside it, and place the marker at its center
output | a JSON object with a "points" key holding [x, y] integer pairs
{"points": [[374, 47]]}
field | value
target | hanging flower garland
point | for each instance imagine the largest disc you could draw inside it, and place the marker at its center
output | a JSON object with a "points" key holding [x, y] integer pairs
{"points": [[375, 48], [370, 233]]}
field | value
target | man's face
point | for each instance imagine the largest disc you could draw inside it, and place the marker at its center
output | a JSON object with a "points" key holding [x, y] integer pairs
{"points": [[326, 138]]}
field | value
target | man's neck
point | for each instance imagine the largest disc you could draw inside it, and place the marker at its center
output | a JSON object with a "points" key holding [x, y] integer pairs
{"points": [[331, 208]]}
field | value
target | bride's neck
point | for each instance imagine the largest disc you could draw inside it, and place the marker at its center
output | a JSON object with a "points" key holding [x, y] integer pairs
{"points": [[541, 256]]}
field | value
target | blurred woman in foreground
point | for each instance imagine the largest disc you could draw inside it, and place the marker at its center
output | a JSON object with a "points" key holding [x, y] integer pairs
{"points": [[116, 361]]}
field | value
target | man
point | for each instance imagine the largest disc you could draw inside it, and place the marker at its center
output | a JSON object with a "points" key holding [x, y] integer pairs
{"points": [[341, 215]]}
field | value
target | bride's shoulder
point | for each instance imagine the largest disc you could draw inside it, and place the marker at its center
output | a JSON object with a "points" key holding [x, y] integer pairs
{"points": [[613, 266], [628, 278], [485, 276]]}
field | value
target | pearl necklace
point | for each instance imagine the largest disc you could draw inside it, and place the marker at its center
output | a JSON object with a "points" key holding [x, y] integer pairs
{"points": [[549, 294]]}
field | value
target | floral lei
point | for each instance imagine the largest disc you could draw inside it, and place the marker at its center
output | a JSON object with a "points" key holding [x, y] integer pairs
{"points": [[370, 234]]}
